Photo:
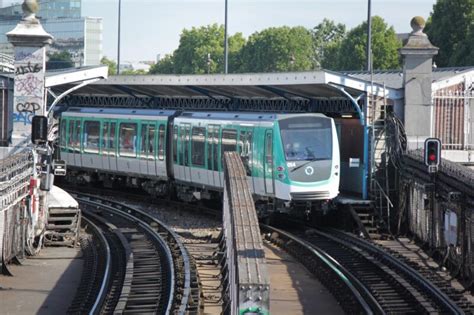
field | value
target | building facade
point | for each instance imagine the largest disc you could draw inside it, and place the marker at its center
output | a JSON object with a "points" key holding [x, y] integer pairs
{"points": [[80, 36], [49, 9]]}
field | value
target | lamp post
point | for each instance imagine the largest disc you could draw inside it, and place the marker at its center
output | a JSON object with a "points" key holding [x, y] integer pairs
{"points": [[118, 37], [226, 43], [369, 36]]}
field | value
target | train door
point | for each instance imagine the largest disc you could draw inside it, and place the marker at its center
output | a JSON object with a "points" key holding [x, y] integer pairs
{"points": [[148, 148], [185, 142], [77, 134], [112, 146], [268, 162], [177, 168], [104, 153], [160, 134], [228, 144], [245, 150], [69, 156], [213, 155]]}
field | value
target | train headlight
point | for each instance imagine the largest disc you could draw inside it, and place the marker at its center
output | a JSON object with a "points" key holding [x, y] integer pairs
{"points": [[281, 176], [336, 167], [280, 168]]}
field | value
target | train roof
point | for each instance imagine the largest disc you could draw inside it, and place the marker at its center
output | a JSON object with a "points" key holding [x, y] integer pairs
{"points": [[243, 115], [58, 198], [119, 111]]}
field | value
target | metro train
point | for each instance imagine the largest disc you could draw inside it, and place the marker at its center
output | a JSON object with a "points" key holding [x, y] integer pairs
{"points": [[289, 158]]}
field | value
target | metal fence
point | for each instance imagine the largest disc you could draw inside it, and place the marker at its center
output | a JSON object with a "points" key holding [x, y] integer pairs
{"points": [[15, 173], [453, 114], [441, 215]]}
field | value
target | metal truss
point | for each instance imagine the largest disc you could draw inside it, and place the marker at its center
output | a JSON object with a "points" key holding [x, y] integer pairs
{"points": [[286, 105]]}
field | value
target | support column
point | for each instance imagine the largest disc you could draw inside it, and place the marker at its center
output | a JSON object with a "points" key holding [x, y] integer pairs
{"points": [[417, 57], [29, 39]]}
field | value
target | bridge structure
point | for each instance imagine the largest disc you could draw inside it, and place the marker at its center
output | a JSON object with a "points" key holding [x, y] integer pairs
{"points": [[350, 101], [370, 110]]}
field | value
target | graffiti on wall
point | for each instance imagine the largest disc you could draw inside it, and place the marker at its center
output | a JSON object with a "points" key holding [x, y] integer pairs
{"points": [[25, 112], [29, 87]]}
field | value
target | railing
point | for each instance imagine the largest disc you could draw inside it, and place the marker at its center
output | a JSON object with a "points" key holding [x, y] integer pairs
{"points": [[453, 117], [15, 173]]}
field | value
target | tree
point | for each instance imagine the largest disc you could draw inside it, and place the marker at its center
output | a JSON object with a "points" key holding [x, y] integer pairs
{"points": [[350, 53], [111, 64], [59, 60], [165, 66], [450, 27], [326, 36], [133, 72], [201, 50], [278, 49]]}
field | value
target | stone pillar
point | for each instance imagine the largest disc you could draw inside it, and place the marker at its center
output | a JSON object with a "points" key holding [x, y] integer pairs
{"points": [[417, 56], [29, 39]]}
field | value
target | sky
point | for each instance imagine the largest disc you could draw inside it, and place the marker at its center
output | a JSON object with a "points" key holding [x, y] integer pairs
{"points": [[151, 27]]}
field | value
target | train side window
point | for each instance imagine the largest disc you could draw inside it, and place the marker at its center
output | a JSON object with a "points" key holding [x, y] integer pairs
{"points": [[161, 142], [91, 136], [111, 144], [198, 145], [175, 144], [128, 139], [229, 140], [62, 141]]}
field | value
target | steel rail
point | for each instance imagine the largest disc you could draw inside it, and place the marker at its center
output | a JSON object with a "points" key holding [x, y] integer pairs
{"points": [[138, 216], [107, 273], [434, 291], [153, 234], [362, 295]]}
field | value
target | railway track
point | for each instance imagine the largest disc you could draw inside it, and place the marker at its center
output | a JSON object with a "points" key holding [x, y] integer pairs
{"points": [[377, 280], [143, 266], [373, 287]]}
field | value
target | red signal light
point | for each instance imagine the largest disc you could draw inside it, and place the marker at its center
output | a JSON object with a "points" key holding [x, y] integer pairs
{"points": [[432, 154]]}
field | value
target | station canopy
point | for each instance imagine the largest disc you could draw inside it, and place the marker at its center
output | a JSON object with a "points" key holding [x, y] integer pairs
{"points": [[321, 91]]}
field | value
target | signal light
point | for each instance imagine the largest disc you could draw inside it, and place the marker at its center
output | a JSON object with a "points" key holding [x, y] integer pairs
{"points": [[432, 152]]}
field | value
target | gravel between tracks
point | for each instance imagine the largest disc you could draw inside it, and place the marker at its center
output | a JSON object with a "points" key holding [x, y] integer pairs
{"points": [[183, 222]]}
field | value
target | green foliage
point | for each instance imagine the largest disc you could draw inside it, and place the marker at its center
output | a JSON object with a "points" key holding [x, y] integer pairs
{"points": [[164, 66], [59, 60], [451, 28], [201, 50], [351, 53], [111, 64], [133, 72], [327, 36], [278, 49]]}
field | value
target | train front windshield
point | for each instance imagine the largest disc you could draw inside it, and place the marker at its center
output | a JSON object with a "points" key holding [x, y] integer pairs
{"points": [[306, 138]]}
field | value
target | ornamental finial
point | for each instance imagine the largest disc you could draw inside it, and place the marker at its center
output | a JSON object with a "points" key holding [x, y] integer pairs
{"points": [[30, 8], [417, 24]]}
